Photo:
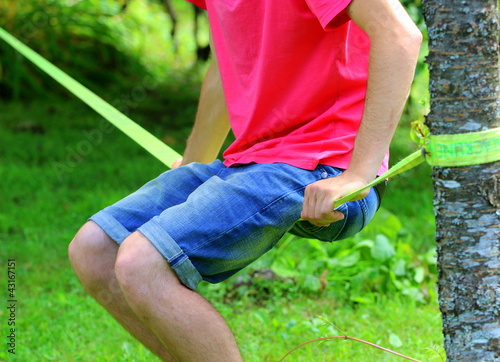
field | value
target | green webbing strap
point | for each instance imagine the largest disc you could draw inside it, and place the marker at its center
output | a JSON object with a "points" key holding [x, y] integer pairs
{"points": [[416, 158], [463, 149], [441, 150], [145, 139], [451, 150]]}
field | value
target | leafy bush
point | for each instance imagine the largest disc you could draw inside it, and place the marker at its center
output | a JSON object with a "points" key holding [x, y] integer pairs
{"points": [[379, 261], [93, 40]]}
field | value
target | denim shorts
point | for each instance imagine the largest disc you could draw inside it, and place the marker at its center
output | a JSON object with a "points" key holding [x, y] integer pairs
{"points": [[210, 221]]}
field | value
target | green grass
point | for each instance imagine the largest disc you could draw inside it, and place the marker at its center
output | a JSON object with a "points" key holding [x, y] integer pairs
{"points": [[54, 176], [59, 163], [394, 324]]}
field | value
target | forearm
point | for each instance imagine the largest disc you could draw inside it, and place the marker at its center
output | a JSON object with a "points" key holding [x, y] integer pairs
{"points": [[394, 46], [393, 56], [212, 122]]}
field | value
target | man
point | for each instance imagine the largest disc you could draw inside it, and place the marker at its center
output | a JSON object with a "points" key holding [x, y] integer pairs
{"points": [[313, 90]]}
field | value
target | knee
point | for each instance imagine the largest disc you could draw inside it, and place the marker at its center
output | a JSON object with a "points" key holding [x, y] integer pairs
{"points": [[92, 253], [140, 268], [130, 268], [89, 241]]}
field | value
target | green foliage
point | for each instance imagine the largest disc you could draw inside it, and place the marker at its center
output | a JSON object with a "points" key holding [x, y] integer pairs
{"points": [[361, 270], [101, 43], [379, 285], [62, 31], [277, 298], [414, 8], [394, 341]]}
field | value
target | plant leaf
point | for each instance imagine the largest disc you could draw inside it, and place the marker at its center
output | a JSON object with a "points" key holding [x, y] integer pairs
{"points": [[383, 249], [394, 340]]}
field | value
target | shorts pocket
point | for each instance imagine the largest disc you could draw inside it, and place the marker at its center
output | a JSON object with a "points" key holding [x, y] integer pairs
{"points": [[357, 215], [305, 229]]}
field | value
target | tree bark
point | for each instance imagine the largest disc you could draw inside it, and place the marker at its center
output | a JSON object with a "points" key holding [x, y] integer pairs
{"points": [[464, 87]]}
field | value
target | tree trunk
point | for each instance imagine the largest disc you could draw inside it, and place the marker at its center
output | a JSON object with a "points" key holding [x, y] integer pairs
{"points": [[464, 87]]}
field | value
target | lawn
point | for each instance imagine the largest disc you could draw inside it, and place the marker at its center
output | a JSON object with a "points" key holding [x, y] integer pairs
{"points": [[60, 163]]}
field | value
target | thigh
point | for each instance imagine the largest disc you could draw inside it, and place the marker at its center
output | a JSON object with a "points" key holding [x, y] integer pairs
{"points": [[230, 220], [168, 189]]}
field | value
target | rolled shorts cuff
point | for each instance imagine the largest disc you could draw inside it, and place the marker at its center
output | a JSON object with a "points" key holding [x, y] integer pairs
{"points": [[161, 240], [167, 246], [110, 225]]}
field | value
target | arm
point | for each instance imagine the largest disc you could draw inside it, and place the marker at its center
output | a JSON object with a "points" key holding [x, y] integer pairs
{"points": [[212, 122], [394, 46]]}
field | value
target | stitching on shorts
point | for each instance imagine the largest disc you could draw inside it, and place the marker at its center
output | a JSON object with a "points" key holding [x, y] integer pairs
{"points": [[346, 215], [364, 212], [316, 229]]}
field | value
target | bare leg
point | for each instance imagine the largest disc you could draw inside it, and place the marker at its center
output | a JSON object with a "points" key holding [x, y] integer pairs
{"points": [[190, 328], [93, 255]]}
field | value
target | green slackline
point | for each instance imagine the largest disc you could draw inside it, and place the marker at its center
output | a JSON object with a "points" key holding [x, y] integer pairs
{"points": [[450, 150], [461, 149], [464, 149], [438, 150], [416, 158], [145, 139]]}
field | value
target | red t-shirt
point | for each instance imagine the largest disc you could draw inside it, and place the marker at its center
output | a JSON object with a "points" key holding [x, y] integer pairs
{"points": [[294, 75]]}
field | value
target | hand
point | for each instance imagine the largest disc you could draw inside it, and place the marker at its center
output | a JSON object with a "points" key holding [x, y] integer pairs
{"points": [[320, 196]]}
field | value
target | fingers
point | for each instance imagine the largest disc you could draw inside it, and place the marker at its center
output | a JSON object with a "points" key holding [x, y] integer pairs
{"points": [[319, 198], [318, 205], [334, 216]]}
